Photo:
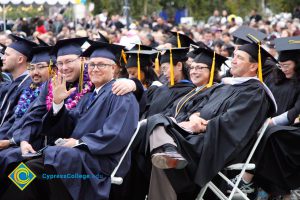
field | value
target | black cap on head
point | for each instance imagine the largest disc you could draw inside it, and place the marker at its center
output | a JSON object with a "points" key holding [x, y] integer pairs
{"points": [[137, 47], [178, 55], [22, 45], [288, 48], [206, 56], [252, 50], [241, 35], [104, 50], [42, 42], [193, 54], [145, 57], [69, 46], [102, 38], [42, 54], [177, 38]]}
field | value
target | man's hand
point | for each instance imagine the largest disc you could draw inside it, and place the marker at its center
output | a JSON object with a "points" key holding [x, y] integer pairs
{"points": [[4, 144], [26, 148], [60, 91], [196, 124], [123, 86], [70, 142]]}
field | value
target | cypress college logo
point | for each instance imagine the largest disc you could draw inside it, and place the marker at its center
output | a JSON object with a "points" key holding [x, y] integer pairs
{"points": [[22, 176]]}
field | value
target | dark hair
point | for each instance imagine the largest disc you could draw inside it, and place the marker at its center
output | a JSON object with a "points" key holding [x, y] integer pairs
{"points": [[150, 75], [217, 77], [185, 70], [279, 76]]}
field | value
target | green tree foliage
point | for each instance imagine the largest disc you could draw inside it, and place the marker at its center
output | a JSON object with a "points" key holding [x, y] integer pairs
{"points": [[199, 9]]}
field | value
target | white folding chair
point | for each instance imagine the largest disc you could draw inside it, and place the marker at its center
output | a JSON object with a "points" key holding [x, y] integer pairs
{"points": [[236, 193], [119, 180]]}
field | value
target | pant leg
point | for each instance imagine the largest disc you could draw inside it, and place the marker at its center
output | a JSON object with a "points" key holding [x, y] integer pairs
{"points": [[160, 186], [160, 137]]}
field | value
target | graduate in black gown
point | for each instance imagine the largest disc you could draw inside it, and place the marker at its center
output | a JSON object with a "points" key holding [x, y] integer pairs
{"points": [[240, 38], [219, 132], [97, 132], [178, 84], [15, 61], [277, 158]]}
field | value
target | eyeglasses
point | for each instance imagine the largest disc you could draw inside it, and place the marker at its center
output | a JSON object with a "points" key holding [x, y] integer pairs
{"points": [[38, 67], [283, 66], [99, 66], [198, 68], [68, 62]]}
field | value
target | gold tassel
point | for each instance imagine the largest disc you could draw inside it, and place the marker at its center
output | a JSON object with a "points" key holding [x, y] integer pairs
{"points": [[178, 41], [157, 64], [49, 67], [124, 56], [294, 41], [212, 71], [80, 86], [171, 68], [139, 64], [260, 77]]}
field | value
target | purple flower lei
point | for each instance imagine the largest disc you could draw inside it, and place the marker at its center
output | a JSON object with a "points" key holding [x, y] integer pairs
{"points": [[27, 97], [74, 98]]}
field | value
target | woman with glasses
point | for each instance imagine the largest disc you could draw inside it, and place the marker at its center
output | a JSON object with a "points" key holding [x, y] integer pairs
{"points": [[276, 159]]}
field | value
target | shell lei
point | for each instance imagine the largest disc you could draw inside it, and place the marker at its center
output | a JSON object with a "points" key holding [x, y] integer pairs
{"points": [[26, 98]]}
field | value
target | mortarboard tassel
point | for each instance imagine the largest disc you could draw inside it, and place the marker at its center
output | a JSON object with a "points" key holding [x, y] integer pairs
{"points": [[212, 71], [139, 64], [124, 56], [171, 68], [80, 86], [294, 41], [178, 41], [260, 77], [157, 64], [49, 67]]}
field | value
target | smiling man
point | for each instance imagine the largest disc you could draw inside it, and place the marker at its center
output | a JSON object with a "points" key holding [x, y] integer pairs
{"points": [[96, 131]]}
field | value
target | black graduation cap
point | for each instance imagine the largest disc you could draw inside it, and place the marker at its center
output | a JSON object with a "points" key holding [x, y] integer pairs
{"points": [[206, 56], [69, 46], [257, 52], [193, 54], [41, 54], [288, 48], [42, 42], [22, 45], [145, 58], [180, 40], [102, 38], [241, 35], [141, 47], [178, 55], [102, 49]]}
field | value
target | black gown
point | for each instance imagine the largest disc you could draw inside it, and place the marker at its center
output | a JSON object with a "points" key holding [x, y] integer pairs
{"points": [[236, 112], [278, 164], [164, 97]]}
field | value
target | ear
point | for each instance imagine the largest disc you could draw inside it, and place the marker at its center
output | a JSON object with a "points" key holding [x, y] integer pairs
{"points": [[254, 67], [21, 59], [179, 66]]}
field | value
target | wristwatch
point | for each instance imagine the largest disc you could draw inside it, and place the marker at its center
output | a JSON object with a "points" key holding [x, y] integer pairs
{"points": [[12, 142]]}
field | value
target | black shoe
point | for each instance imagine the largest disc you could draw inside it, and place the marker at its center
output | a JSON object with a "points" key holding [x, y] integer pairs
{"points": [[169, 158]]}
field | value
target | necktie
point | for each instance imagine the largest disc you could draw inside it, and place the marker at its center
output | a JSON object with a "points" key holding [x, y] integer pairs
{"points": [[92, 97]]}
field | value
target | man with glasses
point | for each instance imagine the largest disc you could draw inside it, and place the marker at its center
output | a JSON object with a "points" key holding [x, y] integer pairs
{"points": [[96, 132], [15, 61], [218, 130], [11, 135]]}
